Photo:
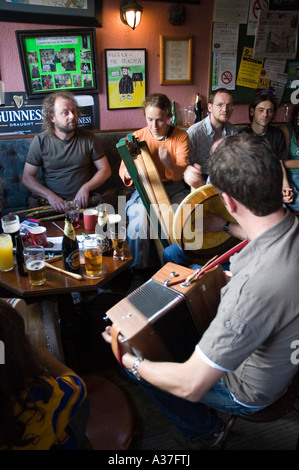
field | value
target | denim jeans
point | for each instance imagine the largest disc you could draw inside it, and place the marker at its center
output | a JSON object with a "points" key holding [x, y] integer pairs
{"points": [[174, 254], [196, 420]]}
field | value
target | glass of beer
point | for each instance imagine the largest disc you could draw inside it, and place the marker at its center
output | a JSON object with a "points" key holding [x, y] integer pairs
{"points": [[11, 225], [35, 264], [72, 210], [92, 249], [6, 252], [118, 238]]}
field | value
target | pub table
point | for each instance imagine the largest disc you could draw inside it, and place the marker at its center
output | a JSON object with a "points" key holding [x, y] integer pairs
{"points": [[60, 286]]}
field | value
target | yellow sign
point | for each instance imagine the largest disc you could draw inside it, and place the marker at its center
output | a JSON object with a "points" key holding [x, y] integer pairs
{"points": [[250, 69]]}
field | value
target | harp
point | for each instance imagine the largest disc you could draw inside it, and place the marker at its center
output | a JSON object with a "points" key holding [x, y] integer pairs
{"points": [[146, 179]]}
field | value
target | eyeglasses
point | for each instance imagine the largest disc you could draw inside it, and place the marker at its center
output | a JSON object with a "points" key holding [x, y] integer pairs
{"points": [[222, 105]]}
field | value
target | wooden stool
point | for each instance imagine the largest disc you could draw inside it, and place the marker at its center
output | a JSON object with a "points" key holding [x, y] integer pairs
{"points": [[110, 425], [277, 410]]}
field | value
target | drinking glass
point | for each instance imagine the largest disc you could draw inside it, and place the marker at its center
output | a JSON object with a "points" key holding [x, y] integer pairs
{"points": [[92, 249], [72, 210], [118, 238], [6, 253], [11, 225], [188, 116], [35, 264]]}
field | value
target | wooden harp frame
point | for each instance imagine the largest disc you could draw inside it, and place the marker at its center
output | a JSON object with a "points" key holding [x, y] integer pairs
{"points": [[145, 176]]}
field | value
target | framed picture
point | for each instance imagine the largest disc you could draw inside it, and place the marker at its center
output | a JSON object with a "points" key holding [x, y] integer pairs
{"points": [[125, 78], [175, 60], [58, 59], [65, 12]]}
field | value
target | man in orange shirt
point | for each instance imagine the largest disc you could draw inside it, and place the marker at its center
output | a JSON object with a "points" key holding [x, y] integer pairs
{"points": [[169, 149]]}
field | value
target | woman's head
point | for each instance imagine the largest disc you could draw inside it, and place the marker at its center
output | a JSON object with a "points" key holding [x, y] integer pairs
{"points": [[19, 360]]}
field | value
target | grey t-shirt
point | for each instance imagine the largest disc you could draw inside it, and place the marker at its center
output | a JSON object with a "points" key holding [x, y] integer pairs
{"points": [[66, 164], [258, 317]]}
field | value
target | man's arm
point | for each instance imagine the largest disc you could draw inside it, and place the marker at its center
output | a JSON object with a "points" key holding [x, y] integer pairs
{"points": [[215, 223], [102, 174], [193, 176], [31, 182], [189, 380]]}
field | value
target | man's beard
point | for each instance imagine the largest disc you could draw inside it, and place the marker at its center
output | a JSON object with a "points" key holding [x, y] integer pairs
{"points": [[67, 129]]}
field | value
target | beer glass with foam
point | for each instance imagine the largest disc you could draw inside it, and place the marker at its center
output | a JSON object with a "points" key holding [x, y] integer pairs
{"points": [[92, 248]]}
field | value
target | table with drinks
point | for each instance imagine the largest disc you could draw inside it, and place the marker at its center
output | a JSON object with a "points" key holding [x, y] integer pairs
{"points": [[46, 274]]}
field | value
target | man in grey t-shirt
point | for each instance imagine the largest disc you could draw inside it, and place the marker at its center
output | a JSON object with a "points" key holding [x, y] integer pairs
{"points": [[245, 360], [72, 159]]}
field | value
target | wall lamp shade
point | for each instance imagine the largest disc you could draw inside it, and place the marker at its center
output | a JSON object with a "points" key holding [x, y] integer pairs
{"points": [[130, 13]]}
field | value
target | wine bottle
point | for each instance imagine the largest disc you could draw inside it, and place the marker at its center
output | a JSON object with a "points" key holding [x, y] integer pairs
{"points": [[20, 255], [197, 109], [174, 120], [70, 248]]}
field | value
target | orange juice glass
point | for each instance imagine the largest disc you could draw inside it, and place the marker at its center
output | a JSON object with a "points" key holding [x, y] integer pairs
{"points": [[6, 253]]}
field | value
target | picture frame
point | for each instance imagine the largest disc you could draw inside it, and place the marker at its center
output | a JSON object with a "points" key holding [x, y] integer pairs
{"points": [[88, 13], [125, 78], [58, 59], [176, 60]]}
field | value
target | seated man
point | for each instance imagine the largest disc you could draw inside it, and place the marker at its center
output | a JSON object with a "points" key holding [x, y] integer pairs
{"points": [[243, 362], [169, 149], [72, 159]]}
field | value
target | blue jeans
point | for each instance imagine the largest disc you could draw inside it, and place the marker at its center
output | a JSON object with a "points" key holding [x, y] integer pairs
{"points": [[174, 254], [196, 420]]}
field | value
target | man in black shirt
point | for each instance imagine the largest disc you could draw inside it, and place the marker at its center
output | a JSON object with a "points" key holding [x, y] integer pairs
{"points": [[261, 114]]}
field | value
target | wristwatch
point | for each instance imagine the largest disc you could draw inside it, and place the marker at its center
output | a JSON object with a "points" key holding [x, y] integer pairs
{"points": [[225, 227], [135, 366]]}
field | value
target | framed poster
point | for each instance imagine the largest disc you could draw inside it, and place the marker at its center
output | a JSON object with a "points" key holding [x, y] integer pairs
{"points": [[125, 78], [58, 59], [175, 60], [64, 12]]}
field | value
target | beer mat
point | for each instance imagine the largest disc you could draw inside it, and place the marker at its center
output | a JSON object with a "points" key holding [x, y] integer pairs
{"points": [[104, 271]]}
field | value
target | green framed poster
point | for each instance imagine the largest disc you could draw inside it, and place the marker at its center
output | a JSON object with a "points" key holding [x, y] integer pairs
{"points": [[58, 59]]}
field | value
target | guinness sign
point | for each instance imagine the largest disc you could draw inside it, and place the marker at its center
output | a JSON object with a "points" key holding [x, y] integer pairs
{"points": [[21, 116]]}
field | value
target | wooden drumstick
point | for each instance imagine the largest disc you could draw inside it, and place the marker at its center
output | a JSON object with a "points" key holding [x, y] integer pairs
{"points": [[74, 275]]}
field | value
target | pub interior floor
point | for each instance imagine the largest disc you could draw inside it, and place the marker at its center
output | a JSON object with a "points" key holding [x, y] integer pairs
{"points": [[152, 430]]}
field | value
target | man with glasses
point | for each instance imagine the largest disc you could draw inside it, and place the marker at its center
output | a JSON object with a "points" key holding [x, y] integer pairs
{"points": [[203, 134]]}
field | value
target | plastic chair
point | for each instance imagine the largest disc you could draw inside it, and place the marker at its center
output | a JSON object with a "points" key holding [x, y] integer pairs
{"points": [[276, 410]]}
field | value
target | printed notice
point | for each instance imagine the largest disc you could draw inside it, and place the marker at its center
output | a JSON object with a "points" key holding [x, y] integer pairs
{"points": [[224, 70], [250, 69], [225, 37], [276, 35], [230, 11]]}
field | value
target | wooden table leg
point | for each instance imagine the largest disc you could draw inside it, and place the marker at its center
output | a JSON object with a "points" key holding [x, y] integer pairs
{"points": [[70, 330]]}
